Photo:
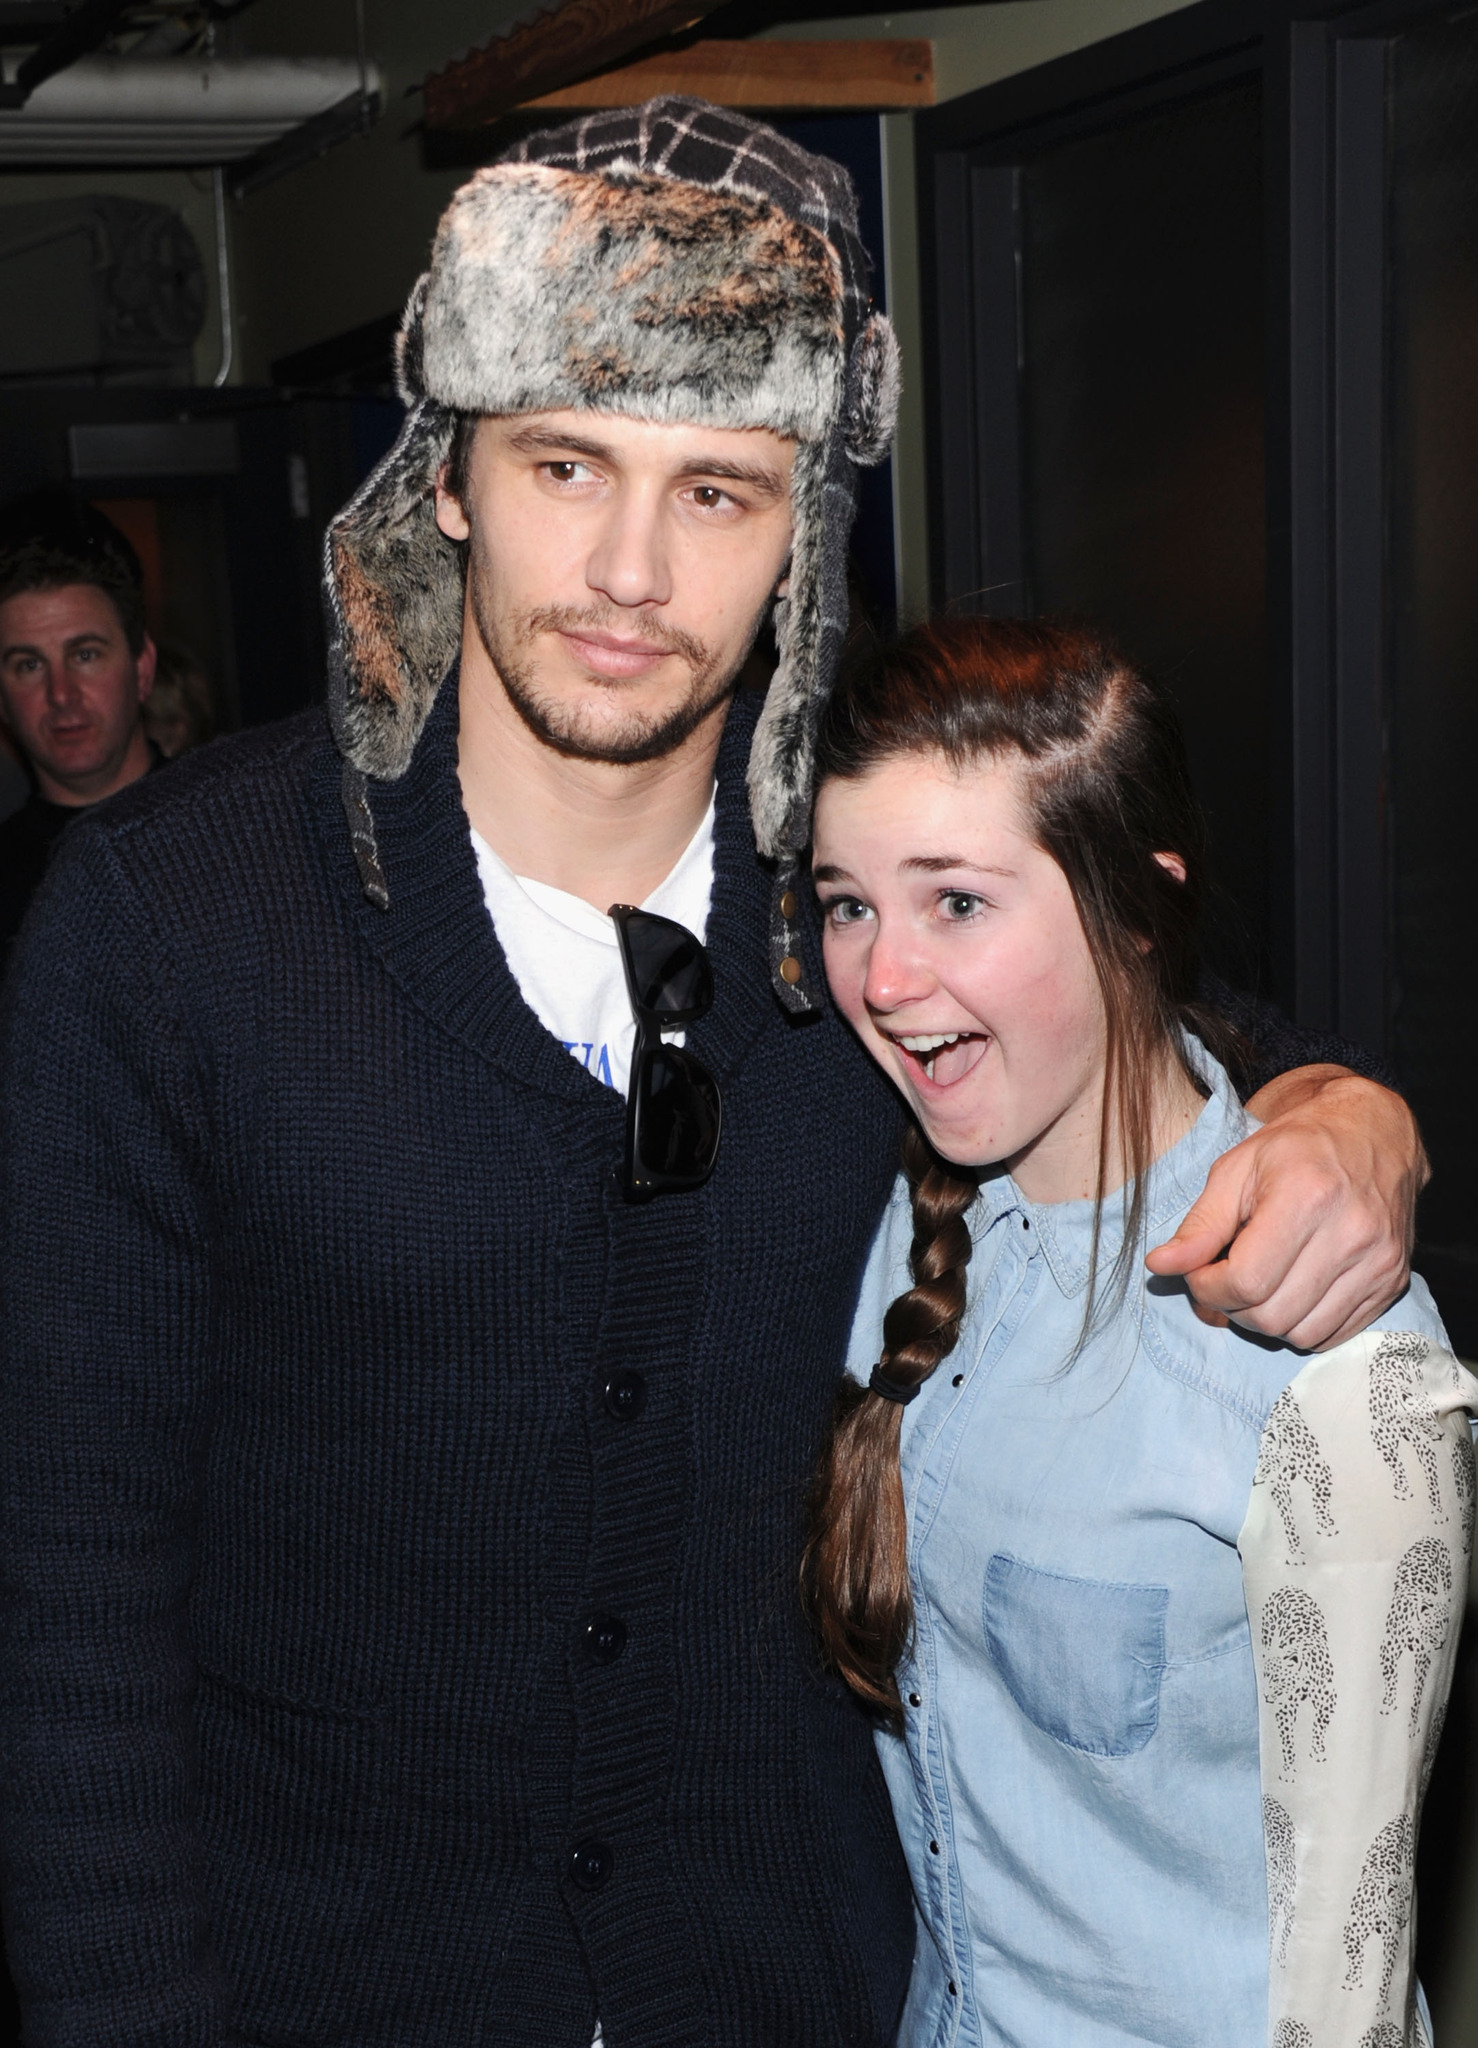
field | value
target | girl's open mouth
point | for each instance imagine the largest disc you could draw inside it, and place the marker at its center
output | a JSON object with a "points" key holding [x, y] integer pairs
{"points": [[942, 1057]]}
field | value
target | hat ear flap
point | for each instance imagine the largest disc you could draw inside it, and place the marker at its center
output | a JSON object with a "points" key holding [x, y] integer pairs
{"points": [[874, 387], [393, 594], [410, 345]]}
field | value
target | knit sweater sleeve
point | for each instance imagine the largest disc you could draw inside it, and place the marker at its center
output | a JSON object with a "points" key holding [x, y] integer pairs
{"points": [[1355, 1563], [1272, 1044], [104, 1345]]}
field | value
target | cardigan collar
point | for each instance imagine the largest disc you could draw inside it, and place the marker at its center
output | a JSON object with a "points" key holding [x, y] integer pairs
{"points": [[437, 938]]}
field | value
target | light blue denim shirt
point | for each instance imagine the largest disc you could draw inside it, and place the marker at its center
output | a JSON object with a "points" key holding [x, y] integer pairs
{"points": [[1077, 1788]]}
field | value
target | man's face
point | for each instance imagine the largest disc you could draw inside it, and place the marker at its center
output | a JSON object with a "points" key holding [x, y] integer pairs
{"points": [[618, 570], [71, 688]]}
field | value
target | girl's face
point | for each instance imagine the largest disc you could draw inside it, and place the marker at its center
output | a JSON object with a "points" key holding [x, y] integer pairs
{"points": [[954, 949]]}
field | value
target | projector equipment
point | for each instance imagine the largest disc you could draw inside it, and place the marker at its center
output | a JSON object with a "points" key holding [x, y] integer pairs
{"points": [[104, 289]]}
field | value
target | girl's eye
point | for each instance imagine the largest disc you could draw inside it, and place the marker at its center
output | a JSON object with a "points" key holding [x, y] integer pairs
{"points": [[845, 910], [959, 904]]}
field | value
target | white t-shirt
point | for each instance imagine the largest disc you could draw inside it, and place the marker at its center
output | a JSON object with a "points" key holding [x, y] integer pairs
{"points": [[565, 958]]}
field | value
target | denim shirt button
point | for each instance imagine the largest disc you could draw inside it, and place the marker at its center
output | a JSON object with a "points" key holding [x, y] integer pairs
{"points": [[915, 1699], [933, 1848]]}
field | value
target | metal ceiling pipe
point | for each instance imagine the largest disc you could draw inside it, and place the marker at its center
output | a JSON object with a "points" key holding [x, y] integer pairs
{"points": [[174, 110]]}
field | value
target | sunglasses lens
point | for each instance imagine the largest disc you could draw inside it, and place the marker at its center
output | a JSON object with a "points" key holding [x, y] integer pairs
{"points": [[675, 1121], [670, 973]]}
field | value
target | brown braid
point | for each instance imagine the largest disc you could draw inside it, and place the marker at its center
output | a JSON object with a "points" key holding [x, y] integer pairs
{"points": [[855, 1570]]}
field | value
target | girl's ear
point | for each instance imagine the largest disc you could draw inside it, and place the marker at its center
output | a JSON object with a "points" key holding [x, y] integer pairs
{"points": [[1172, 864]]}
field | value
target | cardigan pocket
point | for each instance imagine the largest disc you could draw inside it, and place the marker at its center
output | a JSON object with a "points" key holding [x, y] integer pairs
{"points": [[1082, 1658]]}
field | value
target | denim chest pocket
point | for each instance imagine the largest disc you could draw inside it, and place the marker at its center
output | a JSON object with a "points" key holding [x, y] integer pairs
{"points": [[1082, 1658]]}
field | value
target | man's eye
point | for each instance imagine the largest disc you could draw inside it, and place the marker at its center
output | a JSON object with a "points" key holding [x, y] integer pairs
{"points": [[708, 497], [566, 472]]}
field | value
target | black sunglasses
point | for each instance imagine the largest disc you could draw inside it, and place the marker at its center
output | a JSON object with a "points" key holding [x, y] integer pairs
{"points": [[673, 1111]]}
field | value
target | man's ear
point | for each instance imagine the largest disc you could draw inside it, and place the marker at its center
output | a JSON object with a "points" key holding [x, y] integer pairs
{"points": [[1172, 864], [450, 517], [146, 666]]}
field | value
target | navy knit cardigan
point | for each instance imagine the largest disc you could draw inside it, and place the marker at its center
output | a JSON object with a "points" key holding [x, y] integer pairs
{"points": [[342, 1391], [400, 1530]]}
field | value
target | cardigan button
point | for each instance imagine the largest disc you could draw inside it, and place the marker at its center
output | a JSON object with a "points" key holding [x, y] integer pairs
{"points": [[591, 1863], [604, 1637], [625, 1395]]}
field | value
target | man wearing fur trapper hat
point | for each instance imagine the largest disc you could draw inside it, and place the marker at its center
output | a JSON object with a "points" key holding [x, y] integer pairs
{"points": [[422, 1292]]}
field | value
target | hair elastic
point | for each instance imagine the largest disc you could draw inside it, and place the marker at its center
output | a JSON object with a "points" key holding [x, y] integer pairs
{"points": [[891, 1389]]}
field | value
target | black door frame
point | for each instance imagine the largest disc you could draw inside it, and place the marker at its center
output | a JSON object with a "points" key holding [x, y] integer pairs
{"points": [[1323, 65]]}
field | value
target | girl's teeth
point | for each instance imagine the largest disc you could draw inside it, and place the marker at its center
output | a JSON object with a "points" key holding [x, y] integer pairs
{"points": [[926, 1042]]}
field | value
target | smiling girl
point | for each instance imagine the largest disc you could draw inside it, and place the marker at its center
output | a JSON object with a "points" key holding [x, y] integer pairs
{"points": [[1158, 1617]]}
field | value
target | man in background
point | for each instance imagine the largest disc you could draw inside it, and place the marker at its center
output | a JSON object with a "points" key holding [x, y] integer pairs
{"points": [[76, 667]]}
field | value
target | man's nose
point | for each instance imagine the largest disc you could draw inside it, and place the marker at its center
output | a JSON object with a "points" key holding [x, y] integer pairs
{"points": [[63, 686], [629, 564]]}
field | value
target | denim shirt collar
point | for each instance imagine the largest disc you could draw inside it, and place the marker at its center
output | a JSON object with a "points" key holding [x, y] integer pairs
{"points": [[1064, 1230]]}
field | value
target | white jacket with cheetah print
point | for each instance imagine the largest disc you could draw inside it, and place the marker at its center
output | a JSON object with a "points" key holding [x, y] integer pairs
{"points": [[1355, 1561]]}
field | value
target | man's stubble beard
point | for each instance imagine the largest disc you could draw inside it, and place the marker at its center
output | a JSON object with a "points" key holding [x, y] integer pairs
{"points": [[641, 736]]}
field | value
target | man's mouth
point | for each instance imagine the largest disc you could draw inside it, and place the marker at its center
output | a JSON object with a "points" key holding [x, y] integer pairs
{"points": [[613, 654], [942, 1057]]}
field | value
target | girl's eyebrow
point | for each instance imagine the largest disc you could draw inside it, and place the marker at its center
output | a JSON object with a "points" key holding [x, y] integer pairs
{"points": [[944, 863], [923, 863]]}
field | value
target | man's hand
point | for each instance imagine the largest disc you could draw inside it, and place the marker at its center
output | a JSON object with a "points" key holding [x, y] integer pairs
{"points": [[1304, 1230]]}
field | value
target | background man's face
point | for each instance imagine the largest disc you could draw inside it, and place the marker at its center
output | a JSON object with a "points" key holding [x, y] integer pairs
{"points": [[71, 688], [618, 570]]}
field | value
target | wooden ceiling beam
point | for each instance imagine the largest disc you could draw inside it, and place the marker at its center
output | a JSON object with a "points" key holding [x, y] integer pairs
{"points": [[871, 76], [553, 50]]}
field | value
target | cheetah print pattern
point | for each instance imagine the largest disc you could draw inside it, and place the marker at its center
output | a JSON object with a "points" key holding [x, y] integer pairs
{"points": [[1290, 1451], [1278, 1835], [1382, 1902], [1354, 1554], [1417, 1620], [1434, 1743], [1296, 1670], [1403, 1415], [1462, 1472]]}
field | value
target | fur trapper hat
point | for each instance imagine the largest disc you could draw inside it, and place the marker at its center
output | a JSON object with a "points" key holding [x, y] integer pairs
{"points": [[674, 261]]}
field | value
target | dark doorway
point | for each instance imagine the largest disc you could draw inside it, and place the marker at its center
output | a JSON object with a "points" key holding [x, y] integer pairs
{"points": [[1143, 493]]}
